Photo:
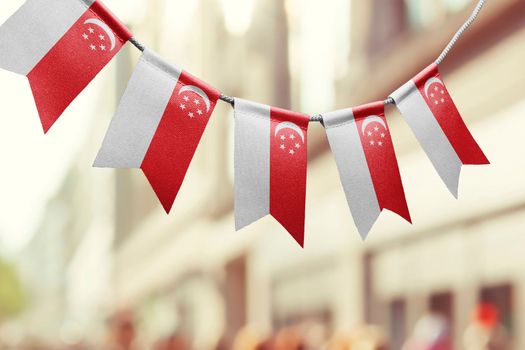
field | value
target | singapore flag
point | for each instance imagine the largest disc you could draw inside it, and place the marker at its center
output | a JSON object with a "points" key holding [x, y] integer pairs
{"points": [[362, 146], [60, 45], [270, 166], [158, 125], [427, 106]]}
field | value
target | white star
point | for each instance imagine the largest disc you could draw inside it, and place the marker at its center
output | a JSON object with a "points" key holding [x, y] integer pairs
{"points": [[383, 135], [436, 102], [380, 143], [442, 100], [199, 112], [102, 37], [186, 98], [93, 47], [297, 146], [292, 137], [369, 133], [85, 36], [282, 147], [292, 152], [182, 106], [431, 95], [91, 30], [196, 102], [190, 115], [372, 143], [283, 137], [103, 48], [436, 89], [442, 92], [376, 129]]}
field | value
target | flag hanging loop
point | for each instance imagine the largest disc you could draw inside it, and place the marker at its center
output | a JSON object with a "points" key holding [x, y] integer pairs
{"points": [[390, 100]]}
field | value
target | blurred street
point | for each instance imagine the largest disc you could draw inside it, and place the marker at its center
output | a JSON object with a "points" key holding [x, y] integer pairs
{"points": [[89, 259]]}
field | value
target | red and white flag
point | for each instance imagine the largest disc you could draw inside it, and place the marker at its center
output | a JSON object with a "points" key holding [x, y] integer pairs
{"points": [[270, 166], [60, 45], [427, 106], [158, 125], [362, 146]]}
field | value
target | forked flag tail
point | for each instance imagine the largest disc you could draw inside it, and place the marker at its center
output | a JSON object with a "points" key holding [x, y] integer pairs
{"points": [[67, 44], [428, 108], [270, 166]]}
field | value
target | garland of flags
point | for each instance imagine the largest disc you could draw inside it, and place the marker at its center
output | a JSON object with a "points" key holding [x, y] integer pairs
{"points": [[164, 111]]}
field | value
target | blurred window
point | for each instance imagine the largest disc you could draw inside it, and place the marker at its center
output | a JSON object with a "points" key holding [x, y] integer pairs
{"points": [[424, 13], [443, 304], [388, 21], [502, 298], [398, 331]]}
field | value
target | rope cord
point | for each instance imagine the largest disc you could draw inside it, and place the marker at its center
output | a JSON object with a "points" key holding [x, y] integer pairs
{"points": [[460, 32], [390, 100]]}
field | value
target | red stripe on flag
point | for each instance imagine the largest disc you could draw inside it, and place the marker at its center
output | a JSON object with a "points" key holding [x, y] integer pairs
{"points": [[288, 156], [177, 137], [431, 86], [381, 158], [74, 61]]}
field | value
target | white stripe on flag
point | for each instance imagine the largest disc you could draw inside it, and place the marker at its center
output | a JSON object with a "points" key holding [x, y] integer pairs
{"points": [[425, 126], [139, 113], [28, 35], [252, 162], [347, 148]]}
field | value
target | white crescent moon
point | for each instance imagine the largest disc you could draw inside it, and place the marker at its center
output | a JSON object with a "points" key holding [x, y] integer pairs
{"points": [[372, 119], [199, 92], [291, 126], [430, 82], [105, 28]]}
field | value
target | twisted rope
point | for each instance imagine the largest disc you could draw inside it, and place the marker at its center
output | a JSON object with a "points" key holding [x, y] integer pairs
{"points": [[460, 32], [390, 100]]}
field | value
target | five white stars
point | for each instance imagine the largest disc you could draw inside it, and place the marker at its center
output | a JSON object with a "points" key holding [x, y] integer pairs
{"points": [[292, 149], [92, 46], [374, 142]]}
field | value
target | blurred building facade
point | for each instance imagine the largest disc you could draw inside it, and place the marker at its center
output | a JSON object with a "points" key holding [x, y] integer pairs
{"points": [[106, 245]]}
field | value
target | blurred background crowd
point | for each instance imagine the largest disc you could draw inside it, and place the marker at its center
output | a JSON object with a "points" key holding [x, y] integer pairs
{"points": [[89, 260]]}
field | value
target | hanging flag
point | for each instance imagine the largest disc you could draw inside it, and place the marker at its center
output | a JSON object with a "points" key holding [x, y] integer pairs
{"points": [[427, 106], [270, 166], [60, 46], [361, 143], [158, 125]]}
